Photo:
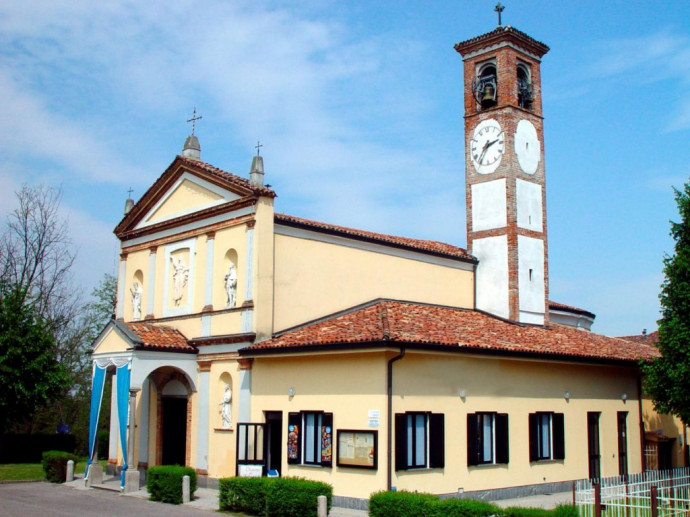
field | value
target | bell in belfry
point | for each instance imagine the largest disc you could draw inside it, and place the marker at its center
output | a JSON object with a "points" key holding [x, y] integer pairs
{"points": [[489, 97]]}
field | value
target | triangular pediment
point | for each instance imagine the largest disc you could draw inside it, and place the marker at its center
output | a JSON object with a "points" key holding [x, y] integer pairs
{"points": [[187, 195], [115, 337]]}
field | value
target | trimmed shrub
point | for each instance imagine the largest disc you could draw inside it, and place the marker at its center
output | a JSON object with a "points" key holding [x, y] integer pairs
{"points": [[295, 497], [401, 504], [164, 483], [55, 465], [517, 511], [243, 495], [274, 497], [464, 508]]}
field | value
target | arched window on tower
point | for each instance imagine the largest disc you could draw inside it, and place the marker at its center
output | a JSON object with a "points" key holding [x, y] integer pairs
{"points": [[485, 87], [524, 86]]}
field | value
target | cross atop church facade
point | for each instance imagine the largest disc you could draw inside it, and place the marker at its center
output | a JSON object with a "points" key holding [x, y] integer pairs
{"points": [[258, 147], [194, 119], [499, 9]]}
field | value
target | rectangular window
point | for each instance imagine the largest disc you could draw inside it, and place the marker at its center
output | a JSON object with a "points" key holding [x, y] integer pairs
{"points": [[310, 438], [487, 438], [419, 440], [546, 436]]}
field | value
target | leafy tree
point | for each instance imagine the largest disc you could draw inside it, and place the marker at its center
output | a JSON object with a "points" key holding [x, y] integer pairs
{"points": [[30, 375], [668, 377]]}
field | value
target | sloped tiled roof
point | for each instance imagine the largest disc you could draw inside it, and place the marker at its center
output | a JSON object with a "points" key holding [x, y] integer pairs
{"points": [[154, 337], [396, 323], [434, 247], [502, 33], [555, 306]]}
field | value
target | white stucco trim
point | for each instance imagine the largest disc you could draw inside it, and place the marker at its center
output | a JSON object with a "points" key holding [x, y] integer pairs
{"points": [[143, 422], [532, 297], [248, 210], [169, 250], [492, 48], [244, 412], [529, 205], [202, 430], [301, 233], [121, 281], [208, 285], [151, 292], [225, 197], [224, 348], [492, 275], [144, 362], [249, 277], [489, 207]]}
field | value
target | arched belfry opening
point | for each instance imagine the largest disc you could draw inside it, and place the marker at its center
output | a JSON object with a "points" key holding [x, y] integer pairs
{"points": [[524, 86], [485, 85]]}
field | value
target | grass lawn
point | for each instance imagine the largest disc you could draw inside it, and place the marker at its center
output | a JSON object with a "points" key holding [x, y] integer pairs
{"points": [[34, 471]]}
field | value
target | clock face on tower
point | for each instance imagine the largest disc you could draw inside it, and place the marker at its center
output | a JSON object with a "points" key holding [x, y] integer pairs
{"points": [[487, 146], [527, 146]]}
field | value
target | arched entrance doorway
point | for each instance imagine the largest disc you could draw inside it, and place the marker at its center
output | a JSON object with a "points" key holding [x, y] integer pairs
{"points": [[173, 415]]}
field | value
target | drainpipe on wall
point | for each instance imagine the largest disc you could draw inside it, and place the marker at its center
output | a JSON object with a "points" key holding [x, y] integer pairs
{"points": [[390, 415], [639, 406]]}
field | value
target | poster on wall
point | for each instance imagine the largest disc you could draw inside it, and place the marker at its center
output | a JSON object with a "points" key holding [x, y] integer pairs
{"points": [[357, 448], [326, 444], [293, 442]]}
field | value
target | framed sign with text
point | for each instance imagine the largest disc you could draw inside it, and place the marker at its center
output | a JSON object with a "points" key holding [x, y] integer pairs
{"points": [[357, 448]]}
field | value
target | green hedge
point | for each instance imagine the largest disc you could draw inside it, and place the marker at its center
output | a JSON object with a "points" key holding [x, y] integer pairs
{"points": [[164, 483], [408, 504], [272, 497], [55, 465]]}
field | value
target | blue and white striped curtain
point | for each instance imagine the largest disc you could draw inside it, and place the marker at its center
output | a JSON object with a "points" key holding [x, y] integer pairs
{"points": [[97, 383], [123, 375]]}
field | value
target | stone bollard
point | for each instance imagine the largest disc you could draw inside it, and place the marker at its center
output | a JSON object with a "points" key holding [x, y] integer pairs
{"points": [[70, 471], [185, 489], [323, 506]]}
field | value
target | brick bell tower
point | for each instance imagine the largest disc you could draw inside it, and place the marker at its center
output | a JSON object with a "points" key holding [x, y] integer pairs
{"points": [[504, 179]]}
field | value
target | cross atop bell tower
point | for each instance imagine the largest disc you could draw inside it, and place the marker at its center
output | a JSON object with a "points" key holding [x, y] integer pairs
{"points": [[504, 179]]}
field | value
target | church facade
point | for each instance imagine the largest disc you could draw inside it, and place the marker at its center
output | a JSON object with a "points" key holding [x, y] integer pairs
{"points": [[249, 342]]}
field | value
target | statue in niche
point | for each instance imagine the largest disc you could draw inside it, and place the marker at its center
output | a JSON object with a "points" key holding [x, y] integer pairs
{"points": [[180, 277], [226, 407], [137, 292], [231, 286]]}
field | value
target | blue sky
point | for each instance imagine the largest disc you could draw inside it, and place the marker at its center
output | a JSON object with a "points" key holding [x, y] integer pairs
{"points": [[359, 107]]}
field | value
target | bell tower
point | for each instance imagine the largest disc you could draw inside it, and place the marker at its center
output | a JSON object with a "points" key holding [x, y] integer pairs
{"points": [[504, 178]]}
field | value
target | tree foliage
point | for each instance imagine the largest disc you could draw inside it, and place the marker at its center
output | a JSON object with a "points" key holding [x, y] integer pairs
{"points": [[30, 375], [668, 377]]}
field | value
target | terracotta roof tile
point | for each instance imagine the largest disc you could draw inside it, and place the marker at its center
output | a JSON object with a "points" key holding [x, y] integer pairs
{"points": [[555, 306], [399, 323], [154, 337], [227, 176], [435, 247]]}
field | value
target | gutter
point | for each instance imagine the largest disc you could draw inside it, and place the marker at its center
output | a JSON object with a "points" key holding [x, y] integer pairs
{"points": [[390, 415]]}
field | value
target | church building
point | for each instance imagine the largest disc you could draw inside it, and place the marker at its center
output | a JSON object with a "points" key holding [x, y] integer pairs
{"points": [[248, 342]]}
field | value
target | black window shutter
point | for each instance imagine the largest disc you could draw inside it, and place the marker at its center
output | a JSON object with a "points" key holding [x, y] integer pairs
{"points": [[327, 439], [400, 442], [558, 431], [502, 439], [294, 439], [472, 452], [533, 437], [436, 441]]}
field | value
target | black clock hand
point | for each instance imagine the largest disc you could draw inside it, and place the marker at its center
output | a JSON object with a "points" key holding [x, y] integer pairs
{"points": [[486, 148]]}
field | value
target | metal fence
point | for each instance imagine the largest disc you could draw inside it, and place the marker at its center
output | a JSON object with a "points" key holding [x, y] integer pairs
{"points": [[654, 493]]}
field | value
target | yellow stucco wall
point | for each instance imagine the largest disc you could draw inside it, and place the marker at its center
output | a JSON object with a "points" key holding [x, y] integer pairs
{"points": [[349, 385], [112, 342], [313, 279], [264, 269], [668, 426]]}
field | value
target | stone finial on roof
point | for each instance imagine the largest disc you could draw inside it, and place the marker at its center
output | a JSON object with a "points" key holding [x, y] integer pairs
{"points": [[192, 148], [256, 173], [129, 203]]}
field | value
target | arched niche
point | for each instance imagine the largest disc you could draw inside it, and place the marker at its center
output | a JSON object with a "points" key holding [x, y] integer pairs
{"points": [[136, 293], [225, 400], [230, 279]]}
